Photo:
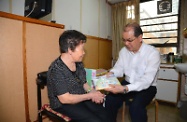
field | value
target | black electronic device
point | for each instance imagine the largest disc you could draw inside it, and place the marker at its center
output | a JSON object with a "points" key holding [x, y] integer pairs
{"points": [[164, 6], [37, 8]]}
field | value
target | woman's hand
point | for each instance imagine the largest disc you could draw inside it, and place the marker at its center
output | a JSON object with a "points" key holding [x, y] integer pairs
{"points": [[97, 96]]}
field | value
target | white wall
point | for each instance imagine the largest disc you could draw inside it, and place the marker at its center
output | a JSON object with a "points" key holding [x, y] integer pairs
{"points": [[67, 12], [4, 6], [90, 20], [13, 6], [92, 17], [18, 7], [105, 20]]}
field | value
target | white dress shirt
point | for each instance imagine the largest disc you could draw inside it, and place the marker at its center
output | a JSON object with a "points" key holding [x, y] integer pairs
{"points": [[140, 68]]}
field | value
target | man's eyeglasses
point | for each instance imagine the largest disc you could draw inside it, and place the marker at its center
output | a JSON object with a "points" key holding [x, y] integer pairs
{"points": [[128, 40]]}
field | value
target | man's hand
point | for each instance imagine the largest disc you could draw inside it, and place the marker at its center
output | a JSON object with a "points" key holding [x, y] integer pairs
{"points": [[109, 74], [115, 88]]}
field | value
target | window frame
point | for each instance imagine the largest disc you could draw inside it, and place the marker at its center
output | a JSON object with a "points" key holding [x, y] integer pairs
{"points": [[177, 44]]}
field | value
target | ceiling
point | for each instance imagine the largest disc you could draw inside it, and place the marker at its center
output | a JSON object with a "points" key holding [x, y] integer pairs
{"points": [[116, 1]]}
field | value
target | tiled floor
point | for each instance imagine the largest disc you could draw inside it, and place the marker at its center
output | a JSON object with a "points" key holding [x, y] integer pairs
{"points": [[166, 113]]}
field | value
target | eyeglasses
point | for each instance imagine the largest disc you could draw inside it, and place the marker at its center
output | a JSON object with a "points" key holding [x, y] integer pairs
{"points": [[128, 40]]}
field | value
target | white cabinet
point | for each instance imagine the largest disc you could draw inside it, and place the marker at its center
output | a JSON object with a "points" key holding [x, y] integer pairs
{"points": [[168, 74], [167, 84], [167, 91]]}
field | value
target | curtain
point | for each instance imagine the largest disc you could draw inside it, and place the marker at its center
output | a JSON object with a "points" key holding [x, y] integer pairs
{"points": [[122, 13], [183, 24]]}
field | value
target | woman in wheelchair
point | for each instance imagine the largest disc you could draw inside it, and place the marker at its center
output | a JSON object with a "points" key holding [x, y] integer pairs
{"points": [[68, 90]]}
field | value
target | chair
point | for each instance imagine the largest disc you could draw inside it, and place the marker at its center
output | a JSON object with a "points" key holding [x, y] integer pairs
{"points": [[154, 101], [41, 82]]}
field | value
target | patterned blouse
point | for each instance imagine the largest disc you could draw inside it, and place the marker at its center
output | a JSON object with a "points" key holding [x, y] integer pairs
{"points": [[60, 80]]}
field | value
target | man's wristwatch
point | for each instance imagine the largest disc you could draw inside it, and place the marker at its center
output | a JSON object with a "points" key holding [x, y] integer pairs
{"points": [[125, 90]]}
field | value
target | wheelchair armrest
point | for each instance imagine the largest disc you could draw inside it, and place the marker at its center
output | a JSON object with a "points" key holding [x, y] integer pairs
{"points": [[41, 79], [51, 112]]}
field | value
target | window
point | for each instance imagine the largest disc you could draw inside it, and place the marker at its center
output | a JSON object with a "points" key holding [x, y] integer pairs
{"points": [[160, 30], [130, 12]]}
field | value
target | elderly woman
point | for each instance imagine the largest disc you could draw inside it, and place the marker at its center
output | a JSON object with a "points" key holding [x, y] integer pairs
{"points": [[68, 90]]}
